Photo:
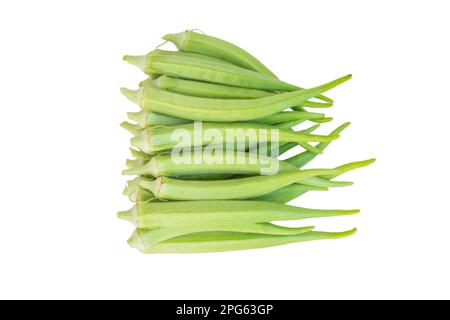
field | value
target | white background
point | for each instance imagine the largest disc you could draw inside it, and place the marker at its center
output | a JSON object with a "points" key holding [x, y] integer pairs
{"points": [[63, 150]]}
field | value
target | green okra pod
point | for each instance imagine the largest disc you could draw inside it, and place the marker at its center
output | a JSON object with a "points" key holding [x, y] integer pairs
{"points": [[162, 165], [154, 236], [151, 98], [242, 188], [155, 139], [203, 242], [217, 91], [191, 41], [145, 119], [215, 213], [196, 67]]}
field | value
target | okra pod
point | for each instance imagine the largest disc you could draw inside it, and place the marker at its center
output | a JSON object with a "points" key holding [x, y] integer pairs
{"points": [[154, 99], [145, 118], [203, 242], [162, 138], [178, 64], [191, 41], [217, 91], [243, 188], [154, 236], [214, 213]]}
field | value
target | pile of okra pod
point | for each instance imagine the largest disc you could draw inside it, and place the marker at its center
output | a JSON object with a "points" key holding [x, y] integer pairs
{"points": [[207, 206]]}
